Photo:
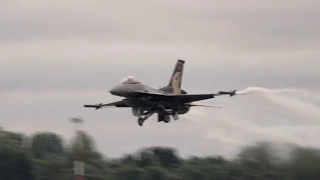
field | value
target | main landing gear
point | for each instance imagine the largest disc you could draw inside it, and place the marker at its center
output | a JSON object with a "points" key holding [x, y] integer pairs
{"points": [[166, 117], [163, 115]]}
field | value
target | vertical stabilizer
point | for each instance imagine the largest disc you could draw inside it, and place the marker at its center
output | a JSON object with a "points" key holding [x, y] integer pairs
{"points": [[175, 82], [176, 78]]}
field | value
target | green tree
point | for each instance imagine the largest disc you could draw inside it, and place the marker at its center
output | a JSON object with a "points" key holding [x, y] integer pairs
{"points": [[14, 161], [14, 164], [305, 164], [167, 157], [48, 152], [46, 158], [132, 173], [47, 145], [156, 173]]}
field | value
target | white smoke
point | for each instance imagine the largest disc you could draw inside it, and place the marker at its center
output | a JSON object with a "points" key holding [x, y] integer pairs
{"points": [[297, 100], [242, 124], [200, 119]]}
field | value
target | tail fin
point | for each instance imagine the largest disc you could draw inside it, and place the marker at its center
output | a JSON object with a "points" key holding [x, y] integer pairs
{"points": [[176, 78], [175, 82]]}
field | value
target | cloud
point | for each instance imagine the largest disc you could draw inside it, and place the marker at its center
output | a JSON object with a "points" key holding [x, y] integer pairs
{"points": [[234, 25], [75, 66]]}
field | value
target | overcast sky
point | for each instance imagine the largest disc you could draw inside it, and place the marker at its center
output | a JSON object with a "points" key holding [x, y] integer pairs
{"points": [[58, 55]]}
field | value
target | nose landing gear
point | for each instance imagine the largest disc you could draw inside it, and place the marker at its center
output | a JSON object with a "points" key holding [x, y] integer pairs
{"points": [[141, 119]]}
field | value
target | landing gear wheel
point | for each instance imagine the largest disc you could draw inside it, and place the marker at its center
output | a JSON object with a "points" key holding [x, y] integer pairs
{"points": [[166, 118], [140, 121]]}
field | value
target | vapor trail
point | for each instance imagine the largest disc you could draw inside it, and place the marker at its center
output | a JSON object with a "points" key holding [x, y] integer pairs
{"points": [[297, 100], [239, 126]]}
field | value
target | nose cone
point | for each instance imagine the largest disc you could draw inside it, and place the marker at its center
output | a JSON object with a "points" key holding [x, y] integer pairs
{"points": [[118, 91], [114, 90]]}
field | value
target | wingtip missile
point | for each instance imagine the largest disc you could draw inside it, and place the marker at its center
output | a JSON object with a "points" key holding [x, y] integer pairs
{"points": [[98, 106], [231, 93]]}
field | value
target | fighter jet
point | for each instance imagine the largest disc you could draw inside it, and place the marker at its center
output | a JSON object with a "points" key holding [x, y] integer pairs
{"points": [[167, 101]]}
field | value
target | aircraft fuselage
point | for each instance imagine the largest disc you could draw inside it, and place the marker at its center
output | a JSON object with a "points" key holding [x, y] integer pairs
{"points": [[135, 100]]}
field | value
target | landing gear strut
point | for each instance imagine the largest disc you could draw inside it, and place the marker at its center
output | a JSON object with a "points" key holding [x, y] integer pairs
{"points": [[141, 119], [175, 116]]}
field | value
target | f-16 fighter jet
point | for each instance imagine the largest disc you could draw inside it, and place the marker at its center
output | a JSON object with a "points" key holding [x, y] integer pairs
{"points": [[167, 101]]}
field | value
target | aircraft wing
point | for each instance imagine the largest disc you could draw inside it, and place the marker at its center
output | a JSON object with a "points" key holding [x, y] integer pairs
{"points": [[182, 98], [113, 104]]}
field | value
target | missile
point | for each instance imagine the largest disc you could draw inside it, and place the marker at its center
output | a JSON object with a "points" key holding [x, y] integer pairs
{"points": [[231, 93]]}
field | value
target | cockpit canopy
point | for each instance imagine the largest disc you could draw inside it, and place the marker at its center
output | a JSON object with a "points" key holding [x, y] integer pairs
{"points": [[130, 80]]}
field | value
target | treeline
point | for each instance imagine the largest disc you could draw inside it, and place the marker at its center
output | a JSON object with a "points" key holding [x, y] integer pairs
{"points": [[44, 156]]}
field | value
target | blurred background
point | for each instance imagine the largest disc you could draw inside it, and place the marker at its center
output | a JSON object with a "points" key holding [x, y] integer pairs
{"points": [[57, 56]]}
